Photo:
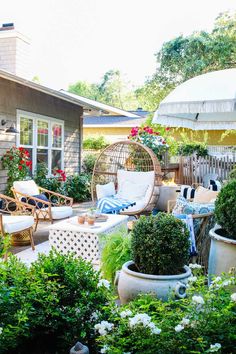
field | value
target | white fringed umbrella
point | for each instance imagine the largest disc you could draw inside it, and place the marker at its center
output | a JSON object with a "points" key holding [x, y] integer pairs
{"points": [[206, 102]]}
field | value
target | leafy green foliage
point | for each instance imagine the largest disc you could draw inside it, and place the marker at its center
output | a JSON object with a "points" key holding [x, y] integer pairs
{"points": [[202, 324], [187, 56], [187, 149], [5, 243], [225, 208], [48, 307], [18, 164], [113, 90], [115, 253], [78, 187], [89, 162], [94, 143], [160, 244], [232, 174]]}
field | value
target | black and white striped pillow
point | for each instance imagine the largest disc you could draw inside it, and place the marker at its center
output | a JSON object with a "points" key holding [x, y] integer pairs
{"points": [[187, 192], [214, 185]]}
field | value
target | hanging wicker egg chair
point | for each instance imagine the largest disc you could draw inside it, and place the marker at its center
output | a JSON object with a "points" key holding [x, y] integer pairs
{"points": [[128, 156]]}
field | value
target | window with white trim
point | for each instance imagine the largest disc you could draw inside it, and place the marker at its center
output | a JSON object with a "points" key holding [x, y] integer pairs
{"points": [[43, 137]]}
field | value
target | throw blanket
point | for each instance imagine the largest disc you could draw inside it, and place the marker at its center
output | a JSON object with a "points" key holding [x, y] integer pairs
{"points": [[188, 220], [113, 205]]}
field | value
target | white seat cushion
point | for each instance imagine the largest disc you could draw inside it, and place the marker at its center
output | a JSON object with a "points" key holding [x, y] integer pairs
{"points": [[17, 223], [59, 212], [146, 178], [140, 204], [105, 190], [26, 187], [131, 190]]}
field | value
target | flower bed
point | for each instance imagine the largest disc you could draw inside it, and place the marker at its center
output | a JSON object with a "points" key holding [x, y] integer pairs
{"points": [[204, 322]]}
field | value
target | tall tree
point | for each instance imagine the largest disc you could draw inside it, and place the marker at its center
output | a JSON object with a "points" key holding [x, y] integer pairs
{"points": [[113, 90], [185, 57], [85, 89]]}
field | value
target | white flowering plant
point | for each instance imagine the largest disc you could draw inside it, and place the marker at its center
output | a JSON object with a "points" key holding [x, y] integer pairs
{"points": [[203, 322]]}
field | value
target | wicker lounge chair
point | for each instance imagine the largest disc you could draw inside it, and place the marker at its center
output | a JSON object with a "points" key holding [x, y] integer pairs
{"points": [[133, 162], [49, 205]]}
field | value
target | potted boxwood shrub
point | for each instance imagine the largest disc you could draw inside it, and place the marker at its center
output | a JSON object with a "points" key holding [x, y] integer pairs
{"points": [[223, 236], [160, 252]]}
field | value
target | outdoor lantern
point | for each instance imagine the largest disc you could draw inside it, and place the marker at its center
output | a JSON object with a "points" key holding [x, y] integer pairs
{"points": [[11, 129]]}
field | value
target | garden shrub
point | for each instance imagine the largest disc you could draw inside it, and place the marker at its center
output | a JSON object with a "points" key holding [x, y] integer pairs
{"points": [[225, 208], [53, 184], [47, 307], [94, 143], [78, 187], [160, 244], [18, 164], [115, 253], [232, 174], [88, 163], [187, 149], [203, 322]]}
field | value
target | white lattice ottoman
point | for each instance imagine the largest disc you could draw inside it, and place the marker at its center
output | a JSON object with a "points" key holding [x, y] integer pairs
{"points": [[69, 236]]}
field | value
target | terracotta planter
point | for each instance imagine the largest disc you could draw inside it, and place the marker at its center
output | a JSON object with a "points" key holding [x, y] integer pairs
{"points": [[222, 252], [132, 283]]}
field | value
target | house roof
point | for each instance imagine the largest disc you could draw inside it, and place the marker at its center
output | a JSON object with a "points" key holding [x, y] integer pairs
{"points": [[112, 121], [66, 96]]}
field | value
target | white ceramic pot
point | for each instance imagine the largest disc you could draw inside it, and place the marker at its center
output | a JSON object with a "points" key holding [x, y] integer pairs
{"points": [[132, 283], [222, 255]]}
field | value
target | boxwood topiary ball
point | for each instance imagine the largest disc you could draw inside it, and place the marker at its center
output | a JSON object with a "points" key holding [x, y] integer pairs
{"points": [[225, 209], [160, 245]]}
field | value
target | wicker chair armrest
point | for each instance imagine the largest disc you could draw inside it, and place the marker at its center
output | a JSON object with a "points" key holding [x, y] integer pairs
{"points": [[20, 206], [69, 201], [27, 197], [203, 216]]}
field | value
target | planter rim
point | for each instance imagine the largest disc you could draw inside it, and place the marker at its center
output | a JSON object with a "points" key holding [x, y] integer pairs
{"points": [[217, 237], [126, 269]]}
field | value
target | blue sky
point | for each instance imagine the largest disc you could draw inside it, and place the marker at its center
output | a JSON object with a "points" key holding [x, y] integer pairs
{"points": [[81, 39]]}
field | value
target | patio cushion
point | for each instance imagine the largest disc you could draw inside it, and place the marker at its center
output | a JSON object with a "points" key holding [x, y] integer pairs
{"points": [[204, 195], [33, 202], [60, 212], [131, 190], [146, 178], [139, 205], [17, 223], [105, 190], [26, 187]]}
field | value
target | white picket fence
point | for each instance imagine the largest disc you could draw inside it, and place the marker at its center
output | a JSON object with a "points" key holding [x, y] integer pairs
{"points": [[192, 169]]}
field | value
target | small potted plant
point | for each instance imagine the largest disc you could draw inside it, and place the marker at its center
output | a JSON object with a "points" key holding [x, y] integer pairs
{"points": [[223, 236], [160, 252]]}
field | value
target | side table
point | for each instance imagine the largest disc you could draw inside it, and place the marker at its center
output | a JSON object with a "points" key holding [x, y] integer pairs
{"points": [[83, 240]]}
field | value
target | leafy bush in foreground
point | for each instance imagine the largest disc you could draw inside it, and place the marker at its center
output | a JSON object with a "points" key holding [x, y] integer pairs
{"points": [[48, 307]]}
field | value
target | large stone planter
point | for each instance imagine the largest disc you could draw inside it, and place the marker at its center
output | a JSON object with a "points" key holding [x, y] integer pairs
{"points": [[131, 283], [222, 255]]}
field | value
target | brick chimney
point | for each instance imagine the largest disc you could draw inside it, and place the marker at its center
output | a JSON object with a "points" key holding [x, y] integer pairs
{"points": [[14, 51]]}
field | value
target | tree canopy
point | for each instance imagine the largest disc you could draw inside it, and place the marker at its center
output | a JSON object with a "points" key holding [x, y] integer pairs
{"points": [[113, 90], [178, 60], [187, 56]]}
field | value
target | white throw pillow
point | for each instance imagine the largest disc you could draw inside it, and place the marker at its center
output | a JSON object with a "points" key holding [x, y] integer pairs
{"points": [[132, 191], [26, 187], [105, 190]]}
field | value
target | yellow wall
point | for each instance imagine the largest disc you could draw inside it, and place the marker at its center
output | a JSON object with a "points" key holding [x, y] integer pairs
{"points": [[114, 134]]}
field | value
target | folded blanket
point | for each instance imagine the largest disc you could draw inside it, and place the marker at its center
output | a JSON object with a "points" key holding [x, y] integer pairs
{"points": [[188, 220], [113, 205]]}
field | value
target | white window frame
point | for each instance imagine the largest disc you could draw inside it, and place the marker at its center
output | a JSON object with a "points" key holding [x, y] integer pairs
{"points": [[50, 120]]}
